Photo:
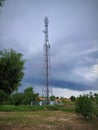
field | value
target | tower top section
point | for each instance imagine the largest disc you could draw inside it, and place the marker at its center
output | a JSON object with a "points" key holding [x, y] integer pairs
{"points": [[46, 21]]}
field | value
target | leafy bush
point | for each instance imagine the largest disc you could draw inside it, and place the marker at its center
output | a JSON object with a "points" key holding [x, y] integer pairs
{"points": [[84, 106], [96, 104], [17, 98], [24, 98]]}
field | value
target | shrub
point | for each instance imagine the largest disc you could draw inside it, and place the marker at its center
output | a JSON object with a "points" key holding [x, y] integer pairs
{"points": [[84, 106], [96, 104], [17, 98]]}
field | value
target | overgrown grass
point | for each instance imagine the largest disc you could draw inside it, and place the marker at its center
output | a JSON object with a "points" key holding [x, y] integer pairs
{"points": [[19, 108], [68, 107], [44, 120], [46, 117]]}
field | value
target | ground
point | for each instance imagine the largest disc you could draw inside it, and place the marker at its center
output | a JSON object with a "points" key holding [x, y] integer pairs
{"points": [[45, 120]]}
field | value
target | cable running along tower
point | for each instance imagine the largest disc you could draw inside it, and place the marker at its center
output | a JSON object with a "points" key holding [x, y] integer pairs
{"points": [[46, 66]]}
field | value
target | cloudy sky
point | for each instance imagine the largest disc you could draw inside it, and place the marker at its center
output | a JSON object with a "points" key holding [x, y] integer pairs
{"points": [[73, 36]]}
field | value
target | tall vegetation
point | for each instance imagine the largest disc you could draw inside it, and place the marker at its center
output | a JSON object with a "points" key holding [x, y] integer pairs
{"points": [[29, 95], [96, 104], [52, 98], [1, 2], [24, 98], [3, 96], [73, 98], [11, 70], [87, 105]]}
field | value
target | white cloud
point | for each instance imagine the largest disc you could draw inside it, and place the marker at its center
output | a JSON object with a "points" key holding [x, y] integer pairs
{"points": [[92, 74], [87, 74], [62, 92], [68, 93]]}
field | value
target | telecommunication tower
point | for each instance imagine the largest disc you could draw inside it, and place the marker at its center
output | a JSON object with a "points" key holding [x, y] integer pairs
{"points": [[46, 89]]}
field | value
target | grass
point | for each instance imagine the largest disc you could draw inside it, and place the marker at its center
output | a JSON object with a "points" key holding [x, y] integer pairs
{"points": [[44, 120], [57, 117], [68, 107]]}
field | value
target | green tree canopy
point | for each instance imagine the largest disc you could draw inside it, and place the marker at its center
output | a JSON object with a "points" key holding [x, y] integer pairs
{"points": [[3, 97], [73, 98], [11, 70], [25, 98], [16, 98], [28, 91], [52, 97], [1, 2], [29, 95]]}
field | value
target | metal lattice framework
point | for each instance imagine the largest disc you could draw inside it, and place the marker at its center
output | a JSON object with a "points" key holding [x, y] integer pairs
{"points": [[46, 90]]}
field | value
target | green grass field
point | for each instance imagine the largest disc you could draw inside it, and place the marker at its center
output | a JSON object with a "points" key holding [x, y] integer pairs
{"points": [[43, 118], [68, 106]]}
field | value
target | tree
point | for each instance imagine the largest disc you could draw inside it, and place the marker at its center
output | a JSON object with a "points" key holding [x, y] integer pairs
{"points": [[28, 91], [29, 95], [11, 70], [73, 98], [24, 98], [17, 98], [1, 2], [3, 97], [52, 98], [96, 98], [84, 106]]}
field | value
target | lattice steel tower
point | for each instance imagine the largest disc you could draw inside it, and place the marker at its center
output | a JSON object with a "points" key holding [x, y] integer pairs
{"points": [[46, 90]]}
